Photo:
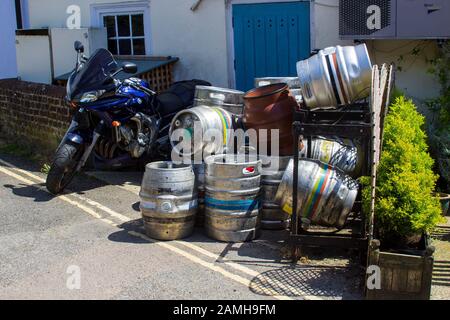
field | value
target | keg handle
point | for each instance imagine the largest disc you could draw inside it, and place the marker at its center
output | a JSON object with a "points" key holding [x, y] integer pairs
{"points": [[219, 96], [263, 83], [247, 149]]}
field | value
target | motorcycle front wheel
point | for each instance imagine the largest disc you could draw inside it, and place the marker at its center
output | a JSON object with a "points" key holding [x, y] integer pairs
{"points": [[63, 168]]}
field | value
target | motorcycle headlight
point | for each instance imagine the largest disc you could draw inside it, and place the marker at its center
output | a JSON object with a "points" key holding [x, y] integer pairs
{"points": [[91, 96]]}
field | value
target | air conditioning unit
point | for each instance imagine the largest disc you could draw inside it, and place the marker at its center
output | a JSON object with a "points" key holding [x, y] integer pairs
{"points": [[394, 19]]}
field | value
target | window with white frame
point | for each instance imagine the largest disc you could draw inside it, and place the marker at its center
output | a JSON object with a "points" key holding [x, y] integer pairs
{"points": [[127, 24], [126, 33]]}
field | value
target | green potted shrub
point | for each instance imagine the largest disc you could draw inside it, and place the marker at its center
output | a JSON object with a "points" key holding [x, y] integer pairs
{"points": [[405, 208]]}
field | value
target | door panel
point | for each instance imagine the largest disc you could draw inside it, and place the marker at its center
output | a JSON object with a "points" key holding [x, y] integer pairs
{"points": [[269, 39]]}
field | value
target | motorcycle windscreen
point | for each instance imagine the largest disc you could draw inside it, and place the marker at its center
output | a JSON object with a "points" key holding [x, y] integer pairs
{"points": [[94, 75]]}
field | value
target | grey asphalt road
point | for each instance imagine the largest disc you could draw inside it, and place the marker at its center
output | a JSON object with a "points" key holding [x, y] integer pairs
{"points": [[89, 244]]}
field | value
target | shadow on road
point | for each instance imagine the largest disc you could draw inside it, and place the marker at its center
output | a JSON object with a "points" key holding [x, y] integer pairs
{"points": [[441, 273], [124, 236], [317, 281], [33, 191], [38, 191]]}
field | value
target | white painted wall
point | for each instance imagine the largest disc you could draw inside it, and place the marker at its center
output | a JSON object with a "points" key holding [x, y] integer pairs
{"points": [[64, 55], [326, 24], [37, 54], [8, 66], [413, 78], [52, 13], [199, 38]]}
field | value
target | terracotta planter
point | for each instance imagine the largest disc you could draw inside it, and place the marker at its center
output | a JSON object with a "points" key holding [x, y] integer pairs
{"points": [[271, 107]]}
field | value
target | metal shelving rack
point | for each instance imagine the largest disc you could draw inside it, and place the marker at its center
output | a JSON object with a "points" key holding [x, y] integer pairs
{"points": [[363, 121], [352, 122]]}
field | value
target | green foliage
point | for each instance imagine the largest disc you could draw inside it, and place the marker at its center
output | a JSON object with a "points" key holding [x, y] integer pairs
{"points": [[404, 203], [439, 127], [15, 149], [396, 93], [45, 168]]}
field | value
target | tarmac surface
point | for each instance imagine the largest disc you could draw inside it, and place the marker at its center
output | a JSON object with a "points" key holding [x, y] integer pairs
{"points": [[89, 244]]}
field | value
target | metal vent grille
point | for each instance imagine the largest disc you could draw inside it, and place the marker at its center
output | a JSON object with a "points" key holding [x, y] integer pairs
{"points": [[353, 16]]}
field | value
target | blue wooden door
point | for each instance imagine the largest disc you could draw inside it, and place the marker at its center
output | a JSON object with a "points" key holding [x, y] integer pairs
{"points": [[269, 39]]}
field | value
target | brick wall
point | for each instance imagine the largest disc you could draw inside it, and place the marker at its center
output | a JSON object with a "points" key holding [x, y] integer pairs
{"points": [[33, 113]]}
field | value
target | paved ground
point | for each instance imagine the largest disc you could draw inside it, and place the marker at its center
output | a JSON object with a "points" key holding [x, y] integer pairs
{"points": [[96, 228], [441, 269]]}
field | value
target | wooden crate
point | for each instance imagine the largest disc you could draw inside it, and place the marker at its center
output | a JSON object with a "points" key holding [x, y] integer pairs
{"points": [[403, 275], [159, 78]]}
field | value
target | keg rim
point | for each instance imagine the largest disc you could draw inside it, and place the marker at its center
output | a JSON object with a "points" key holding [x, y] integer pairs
{"points": [[223, 90], [278, 87], [212, 159], [276, 78], [292, 82], [165, 166], [225, 104]]}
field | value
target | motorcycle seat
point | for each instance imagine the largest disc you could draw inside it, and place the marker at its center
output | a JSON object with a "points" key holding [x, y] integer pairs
{"points": [[178, 97]]}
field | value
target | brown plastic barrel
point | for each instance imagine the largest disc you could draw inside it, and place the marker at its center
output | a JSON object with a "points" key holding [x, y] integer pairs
{"points": [[271, 107]]}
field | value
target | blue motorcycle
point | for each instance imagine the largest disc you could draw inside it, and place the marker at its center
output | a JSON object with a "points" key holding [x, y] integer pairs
{"points": [[115, 124]]}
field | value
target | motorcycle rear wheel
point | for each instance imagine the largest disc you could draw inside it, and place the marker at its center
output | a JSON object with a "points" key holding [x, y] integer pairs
{"points": [[63, 168]]}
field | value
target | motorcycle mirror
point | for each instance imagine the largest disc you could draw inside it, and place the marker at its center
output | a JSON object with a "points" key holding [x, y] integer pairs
{"points": [[78, 46], [129, 67]]}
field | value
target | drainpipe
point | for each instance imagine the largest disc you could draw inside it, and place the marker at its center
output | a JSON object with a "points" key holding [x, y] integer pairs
{"points": [[196, 5], [19, 14]]}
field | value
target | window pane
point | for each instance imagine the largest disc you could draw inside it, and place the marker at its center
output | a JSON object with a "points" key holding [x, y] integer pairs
{"points": [[125, 47], [137, 22], [139, 46], [123, 24], [110, 23], [112, 46]]}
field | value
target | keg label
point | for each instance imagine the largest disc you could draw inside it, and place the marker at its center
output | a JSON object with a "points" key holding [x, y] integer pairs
{"points": [[337, 83], [326, 151], [287, 208], [316, 194], [226, 124], [233, 205]]}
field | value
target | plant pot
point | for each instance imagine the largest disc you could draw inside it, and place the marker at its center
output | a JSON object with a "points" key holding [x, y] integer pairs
{"points": [[444, 198], [404, 274], [271, 108]]}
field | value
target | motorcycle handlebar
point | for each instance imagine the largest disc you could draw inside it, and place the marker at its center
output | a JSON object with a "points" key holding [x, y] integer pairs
{"points": [[139, 87]]}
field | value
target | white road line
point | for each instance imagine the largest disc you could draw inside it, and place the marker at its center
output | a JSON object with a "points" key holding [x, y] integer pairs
{"points": [[242, 268], [63, 198], [206, 264], [127, 186], [73, 194], [216, 257], [111, 212]]}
